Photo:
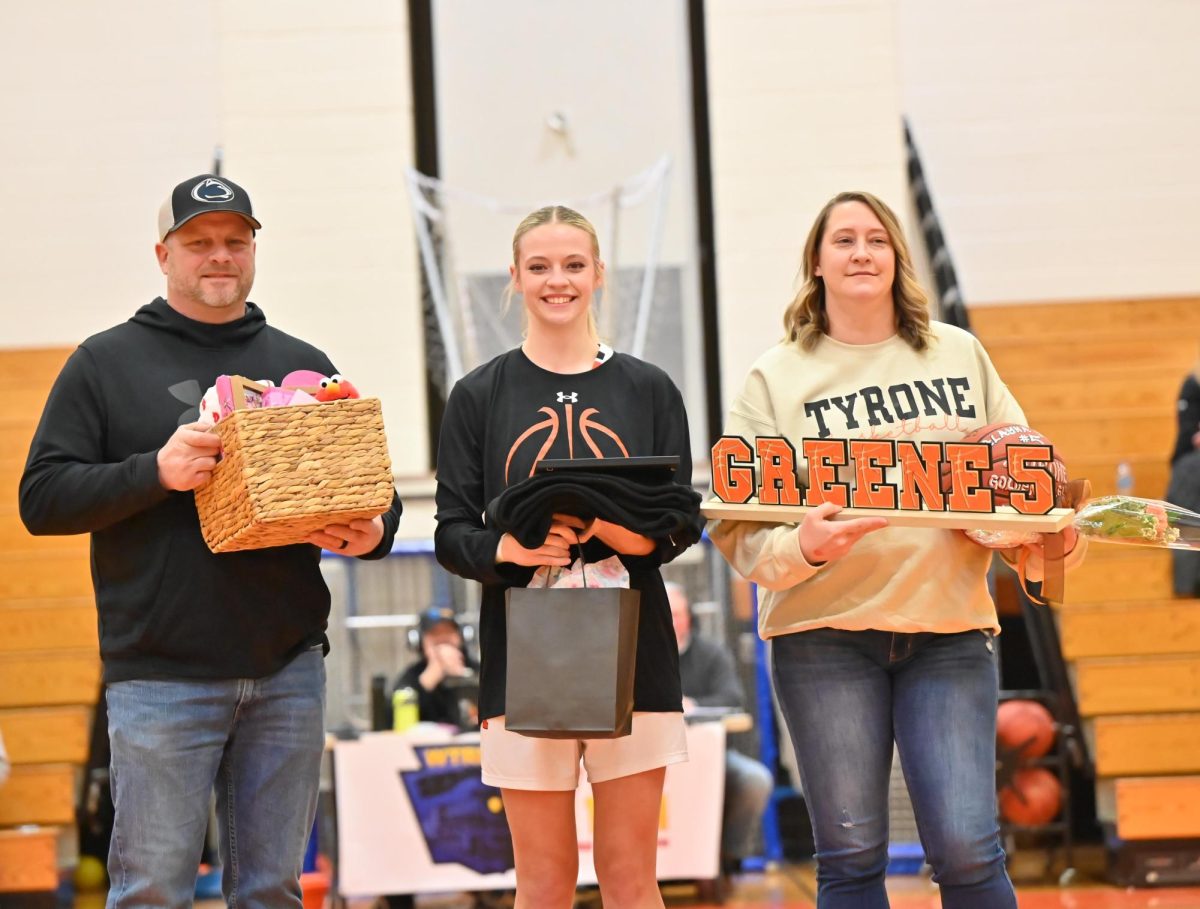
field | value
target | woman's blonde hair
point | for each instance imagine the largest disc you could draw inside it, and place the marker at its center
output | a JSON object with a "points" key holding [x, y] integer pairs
{"points": [[554, 214], [807, 320]]}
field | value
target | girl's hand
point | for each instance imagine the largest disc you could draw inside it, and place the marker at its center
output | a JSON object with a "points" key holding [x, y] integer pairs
{"points": [[555, 549], [824, 540], [617, 538]]}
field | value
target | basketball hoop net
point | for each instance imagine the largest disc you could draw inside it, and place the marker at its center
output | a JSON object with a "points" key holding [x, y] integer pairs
{"points": [[464, 238]]}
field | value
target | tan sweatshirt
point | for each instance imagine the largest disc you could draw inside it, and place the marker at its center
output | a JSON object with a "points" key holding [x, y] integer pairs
{"points": [[899, 578]]}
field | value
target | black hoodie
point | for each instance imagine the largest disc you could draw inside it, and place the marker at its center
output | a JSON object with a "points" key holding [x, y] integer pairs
{"points": [[169, 608]]}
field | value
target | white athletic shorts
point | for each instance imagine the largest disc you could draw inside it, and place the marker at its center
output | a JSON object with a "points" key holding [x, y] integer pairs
{"points": [[514, 761]]}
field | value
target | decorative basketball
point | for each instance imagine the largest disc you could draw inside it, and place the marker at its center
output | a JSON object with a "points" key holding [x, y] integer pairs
{"points": [[1024, 728], [998, 436], [1032, 798]]}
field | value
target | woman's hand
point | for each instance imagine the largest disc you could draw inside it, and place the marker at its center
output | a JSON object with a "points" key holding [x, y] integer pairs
{"points": [[614, 536], [555, 549], [1035, 566], [824, 540]]}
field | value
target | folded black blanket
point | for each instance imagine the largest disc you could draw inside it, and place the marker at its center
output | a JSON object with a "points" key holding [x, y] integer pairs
{"points": [[655, 510]]}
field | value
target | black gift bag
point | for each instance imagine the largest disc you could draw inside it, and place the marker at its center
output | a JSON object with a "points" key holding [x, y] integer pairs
{"points": [[571, 656]]}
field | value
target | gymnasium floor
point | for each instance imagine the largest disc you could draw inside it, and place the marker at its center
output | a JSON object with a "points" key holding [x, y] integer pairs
{"points": [[794, 887]]}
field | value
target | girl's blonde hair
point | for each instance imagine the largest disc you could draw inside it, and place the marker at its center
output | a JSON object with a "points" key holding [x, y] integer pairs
{"points": [[554, 214], [806, 320]]}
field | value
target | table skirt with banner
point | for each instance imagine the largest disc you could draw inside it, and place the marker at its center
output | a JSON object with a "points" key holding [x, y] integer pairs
{"points": [[413, 815]]}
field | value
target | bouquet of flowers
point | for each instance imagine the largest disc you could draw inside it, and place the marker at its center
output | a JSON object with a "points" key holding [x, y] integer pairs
{"points": [[1141, 522]]}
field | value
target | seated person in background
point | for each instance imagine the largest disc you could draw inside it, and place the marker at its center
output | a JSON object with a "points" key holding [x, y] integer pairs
{"points": [[1187, 438], [444, 665], [709, 679], [1184, 487]]}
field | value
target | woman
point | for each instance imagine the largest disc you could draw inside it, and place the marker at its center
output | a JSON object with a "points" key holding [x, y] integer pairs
{"points": [[563, 394], [879, 634]]}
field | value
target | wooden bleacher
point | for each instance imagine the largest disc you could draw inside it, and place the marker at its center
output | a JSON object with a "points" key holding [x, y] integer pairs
{"points": [[49, 654], [1101, 379]]}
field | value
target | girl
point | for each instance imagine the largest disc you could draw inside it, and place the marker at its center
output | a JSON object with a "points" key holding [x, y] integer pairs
{"points": [[562, 394]]}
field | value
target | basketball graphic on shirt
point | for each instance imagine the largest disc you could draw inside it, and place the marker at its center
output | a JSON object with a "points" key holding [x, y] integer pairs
{"points": [[582, 428]]}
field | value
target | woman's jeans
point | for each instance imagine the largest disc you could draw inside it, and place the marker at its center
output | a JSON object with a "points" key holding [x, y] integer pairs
{"points": [[847, 695], [258, 740]]}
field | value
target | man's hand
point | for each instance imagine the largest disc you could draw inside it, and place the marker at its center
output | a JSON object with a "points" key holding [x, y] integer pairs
{"points": [[353, 539], [823, 539], [450, 656], [444, 660], [187, 460]]}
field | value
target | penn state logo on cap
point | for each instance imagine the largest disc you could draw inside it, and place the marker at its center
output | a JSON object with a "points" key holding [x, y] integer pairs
{"points": [[202, 195], [212, 190]]}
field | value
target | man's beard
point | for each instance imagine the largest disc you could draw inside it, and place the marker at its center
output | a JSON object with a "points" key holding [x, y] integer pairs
{"points": [[223, 296]]}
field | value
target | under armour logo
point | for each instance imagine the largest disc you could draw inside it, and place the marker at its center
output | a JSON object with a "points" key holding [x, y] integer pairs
{"points": [[572, 396], [187, 391]]}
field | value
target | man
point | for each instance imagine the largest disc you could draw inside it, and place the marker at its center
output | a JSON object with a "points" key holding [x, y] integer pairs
{"points": [[709, 679], [443, 677], [214, 664]]}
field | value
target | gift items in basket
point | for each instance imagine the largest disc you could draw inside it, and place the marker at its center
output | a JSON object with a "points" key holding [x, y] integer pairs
{"points": [[287, 471]]}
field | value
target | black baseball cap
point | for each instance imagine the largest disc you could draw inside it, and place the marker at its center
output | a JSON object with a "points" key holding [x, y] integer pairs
{"points": [[199, 196], [436, 615]]}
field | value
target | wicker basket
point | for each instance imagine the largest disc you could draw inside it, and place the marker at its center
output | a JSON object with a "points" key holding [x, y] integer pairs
{"points": [[287, 471]]}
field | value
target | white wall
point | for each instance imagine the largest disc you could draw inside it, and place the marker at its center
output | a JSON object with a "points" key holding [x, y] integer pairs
{"points": [[804, 103], [106, 107], [619, 73], [622, 80], [1060, 141]]}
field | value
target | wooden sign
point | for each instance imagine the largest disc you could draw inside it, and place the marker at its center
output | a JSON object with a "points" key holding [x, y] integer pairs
{"points": [[951, 485]]}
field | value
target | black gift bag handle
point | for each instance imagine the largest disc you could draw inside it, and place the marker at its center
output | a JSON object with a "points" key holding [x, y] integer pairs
{"points": [[582, 569]]}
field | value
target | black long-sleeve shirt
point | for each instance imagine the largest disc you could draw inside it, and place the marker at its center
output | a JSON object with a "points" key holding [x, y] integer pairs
{"points": [[1189, 417], [439, 705], [504, 417], [168, 607]]}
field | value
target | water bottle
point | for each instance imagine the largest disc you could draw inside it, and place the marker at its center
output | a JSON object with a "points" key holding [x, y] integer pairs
{"points": [[405, 712], [1124, 479]]}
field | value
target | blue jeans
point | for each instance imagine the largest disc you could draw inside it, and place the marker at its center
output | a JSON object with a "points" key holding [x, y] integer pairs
{"points": [[259, 741], [847, 695]]}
